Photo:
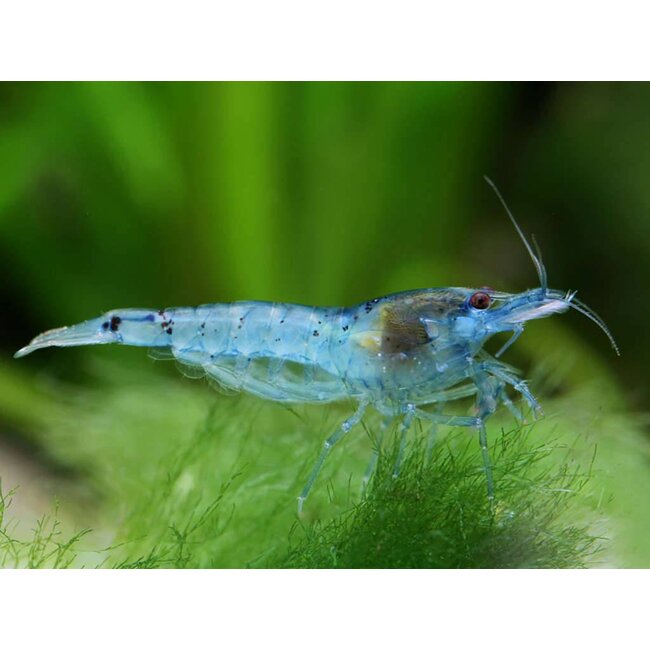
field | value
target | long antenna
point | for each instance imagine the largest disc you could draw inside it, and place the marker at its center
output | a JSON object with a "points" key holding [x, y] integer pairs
{"points": [[541, 271]]}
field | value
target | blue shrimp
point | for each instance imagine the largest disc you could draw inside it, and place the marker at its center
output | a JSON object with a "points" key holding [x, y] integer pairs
{"points": [[399, 353]]}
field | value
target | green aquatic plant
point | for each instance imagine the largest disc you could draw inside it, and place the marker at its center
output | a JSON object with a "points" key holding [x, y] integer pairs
{"points": [[171, 487], [47, 546], [435, 514]]}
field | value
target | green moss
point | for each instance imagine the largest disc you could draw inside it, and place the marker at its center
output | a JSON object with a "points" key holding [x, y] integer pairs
{"points": [[171, 474], [198, 504], [47, 547], [435, 514]]}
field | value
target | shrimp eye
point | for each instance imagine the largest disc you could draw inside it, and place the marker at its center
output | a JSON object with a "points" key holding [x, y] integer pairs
{"points": [[480, 300]]}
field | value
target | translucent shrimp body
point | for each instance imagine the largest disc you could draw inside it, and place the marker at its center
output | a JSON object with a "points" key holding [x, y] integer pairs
{"points": [[399, 354], [276, 351]]}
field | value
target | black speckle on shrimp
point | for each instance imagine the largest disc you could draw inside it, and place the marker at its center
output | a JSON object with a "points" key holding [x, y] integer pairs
{"points": [[115, 323], [370, 304], [105, 325], [316, 333]]}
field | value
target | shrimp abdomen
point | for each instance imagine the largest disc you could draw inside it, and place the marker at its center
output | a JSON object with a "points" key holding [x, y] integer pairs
{"points": [[274, 350]]}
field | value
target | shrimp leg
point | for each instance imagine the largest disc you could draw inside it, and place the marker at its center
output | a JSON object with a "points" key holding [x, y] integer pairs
{"points": [[445, 396], [486, 406], [405, 425], [449, 420], [519, 385], [490, 389], [375, 453], [327, 447], [487, 463], [453, 393], [431, 439], [503, 396]]}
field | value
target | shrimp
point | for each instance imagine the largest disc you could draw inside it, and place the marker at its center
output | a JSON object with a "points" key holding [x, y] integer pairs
{"points": [[399, 354]]}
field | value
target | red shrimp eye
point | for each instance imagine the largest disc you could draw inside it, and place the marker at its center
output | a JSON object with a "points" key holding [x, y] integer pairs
{"points": [[480, 300]]}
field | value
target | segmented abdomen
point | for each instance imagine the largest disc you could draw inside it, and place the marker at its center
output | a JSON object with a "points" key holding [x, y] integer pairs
{"points": [[275, 350]]}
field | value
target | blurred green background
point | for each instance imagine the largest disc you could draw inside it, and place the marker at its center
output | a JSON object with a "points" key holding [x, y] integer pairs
{"points": [[164, 194]]}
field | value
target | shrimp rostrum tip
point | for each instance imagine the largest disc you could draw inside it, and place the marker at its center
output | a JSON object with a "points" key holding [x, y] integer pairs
{"points": [[405, 355]]}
